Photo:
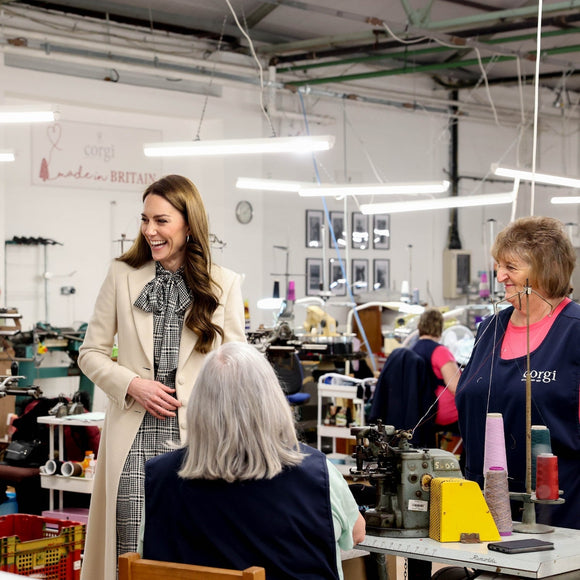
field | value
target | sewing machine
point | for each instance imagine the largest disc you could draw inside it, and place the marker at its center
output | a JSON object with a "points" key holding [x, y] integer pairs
{"points": [[402, 477], [9, 386], [319, 322], [49, 352]]}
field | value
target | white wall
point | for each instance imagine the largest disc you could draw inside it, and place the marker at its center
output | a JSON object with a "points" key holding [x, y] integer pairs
{"points": [[395, 144]]}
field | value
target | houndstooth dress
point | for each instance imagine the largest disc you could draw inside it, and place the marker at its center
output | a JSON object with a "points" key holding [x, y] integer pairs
{"points": [[168, 297]]}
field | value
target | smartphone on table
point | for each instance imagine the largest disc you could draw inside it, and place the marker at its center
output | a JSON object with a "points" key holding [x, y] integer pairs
{"points": [[521, 546]]}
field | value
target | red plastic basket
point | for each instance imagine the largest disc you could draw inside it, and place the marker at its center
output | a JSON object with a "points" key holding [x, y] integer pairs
{"points": [[46, 547]]}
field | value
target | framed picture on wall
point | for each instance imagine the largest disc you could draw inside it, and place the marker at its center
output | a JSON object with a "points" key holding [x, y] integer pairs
{"points": [[381, 274], [360, 231], [360, 276], [337, 223], [381, 231], [314, 276], [337, 283], [314, 222]]}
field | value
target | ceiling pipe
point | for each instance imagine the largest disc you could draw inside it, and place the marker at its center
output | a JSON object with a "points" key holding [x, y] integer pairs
{"points": [[361, 95], [159, 65], [470, 44], [274, 113], [453, 64], [409, 55], [52, 47], [226, 79], [109, 64], [515, 79], [50, 42], [397, 71], [377, 48], [471, 4], [497, 16], [154, 65]]}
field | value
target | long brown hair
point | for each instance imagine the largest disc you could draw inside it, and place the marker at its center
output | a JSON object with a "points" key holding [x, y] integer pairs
{"points": [[182, 194]]}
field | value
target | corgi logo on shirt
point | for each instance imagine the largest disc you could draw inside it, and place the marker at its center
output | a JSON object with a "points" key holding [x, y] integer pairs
{"points": [[540, 376]]}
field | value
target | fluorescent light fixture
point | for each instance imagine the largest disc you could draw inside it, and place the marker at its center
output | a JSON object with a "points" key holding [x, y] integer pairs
{"points": [[26, 114], [527, 175], [6, 155], [561, 200], [270, 184], [240, 146], [441, 203], [427, 187]]}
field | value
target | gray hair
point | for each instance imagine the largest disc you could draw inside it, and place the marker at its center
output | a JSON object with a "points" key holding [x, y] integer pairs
{"points": [[239, 423]]}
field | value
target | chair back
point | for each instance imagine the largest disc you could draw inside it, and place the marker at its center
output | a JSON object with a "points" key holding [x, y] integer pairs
{"points": [[133, 567], [288, 370]]}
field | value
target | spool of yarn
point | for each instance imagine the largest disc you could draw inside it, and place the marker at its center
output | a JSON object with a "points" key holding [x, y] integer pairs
{"points": [[497, 496], [547, 476], [52, 467], [494, 452], [71, 469], [291, 290], [541, 443]]}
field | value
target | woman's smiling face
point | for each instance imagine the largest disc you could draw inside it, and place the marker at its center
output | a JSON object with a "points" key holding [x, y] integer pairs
{"points": [[166, 231], [514, 273]]}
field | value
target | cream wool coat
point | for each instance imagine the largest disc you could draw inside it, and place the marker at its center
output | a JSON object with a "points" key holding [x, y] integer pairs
{"points": [[115, 315]]}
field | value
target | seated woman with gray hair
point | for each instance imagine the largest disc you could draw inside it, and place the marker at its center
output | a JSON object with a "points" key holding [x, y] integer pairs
{"points": [[243, 491]]}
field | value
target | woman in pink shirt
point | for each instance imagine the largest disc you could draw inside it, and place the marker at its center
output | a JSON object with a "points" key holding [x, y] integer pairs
{"points": [[441, 366]]}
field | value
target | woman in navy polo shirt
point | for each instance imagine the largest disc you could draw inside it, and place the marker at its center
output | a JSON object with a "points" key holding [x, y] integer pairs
{"points": [[534, 259], [242, 491]]}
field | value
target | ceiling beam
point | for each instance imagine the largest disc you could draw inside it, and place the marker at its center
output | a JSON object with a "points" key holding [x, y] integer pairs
{"points": [[140, 16], [259, 14]]}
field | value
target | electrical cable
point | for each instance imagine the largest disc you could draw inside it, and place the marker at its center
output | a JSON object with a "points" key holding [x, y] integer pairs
{"points": [[365, 150], [521, 91], [260, 69], [335, 244], [536, 105], [211, 78], [484, 75], [402, 40]]}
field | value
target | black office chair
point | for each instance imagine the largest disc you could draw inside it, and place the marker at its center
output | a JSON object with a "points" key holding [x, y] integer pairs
{"points": [[289, 371]]}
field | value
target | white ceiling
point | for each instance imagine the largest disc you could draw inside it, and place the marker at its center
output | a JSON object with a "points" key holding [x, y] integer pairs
{"points": [[339, 44]]}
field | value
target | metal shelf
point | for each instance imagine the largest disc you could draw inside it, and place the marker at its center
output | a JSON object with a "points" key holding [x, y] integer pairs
{"points": [[61, 483], [347, 390]]}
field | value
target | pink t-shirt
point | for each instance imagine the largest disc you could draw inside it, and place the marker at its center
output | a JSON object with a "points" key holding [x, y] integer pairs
{"points": [[446, 409], [514, 342]]}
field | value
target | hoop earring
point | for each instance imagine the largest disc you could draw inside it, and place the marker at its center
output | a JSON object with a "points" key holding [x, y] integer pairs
{"points": [[187, 239]]}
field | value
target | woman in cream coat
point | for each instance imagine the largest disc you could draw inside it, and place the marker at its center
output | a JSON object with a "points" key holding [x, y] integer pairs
{"points": [[175, 238]]}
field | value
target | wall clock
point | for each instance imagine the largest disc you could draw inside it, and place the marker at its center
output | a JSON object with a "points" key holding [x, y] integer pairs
{"points": [[244, 212]]}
